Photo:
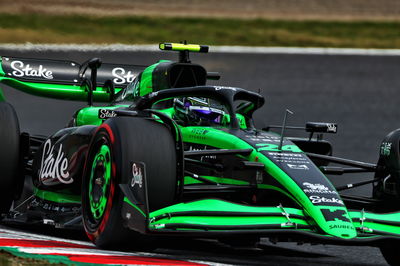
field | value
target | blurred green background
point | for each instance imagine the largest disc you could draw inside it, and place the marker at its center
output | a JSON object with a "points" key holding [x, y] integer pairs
{"points": [[303, 23]]}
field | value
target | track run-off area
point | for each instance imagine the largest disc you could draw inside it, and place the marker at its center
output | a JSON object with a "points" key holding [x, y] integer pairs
{"points": [[356, 88]]}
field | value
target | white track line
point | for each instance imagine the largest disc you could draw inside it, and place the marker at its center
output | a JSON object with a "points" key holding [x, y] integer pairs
{"points": [[216, 49]]}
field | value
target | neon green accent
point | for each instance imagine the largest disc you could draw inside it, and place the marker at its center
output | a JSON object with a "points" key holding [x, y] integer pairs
{"points": [[169, 111], [229, 221], [104, 157], [218, 206], [90, 115], [182, 47], [57, 91], [389, 217], [56, 197], [241, 119], [224, 140], [188, 180], [216, 179], [146, 80], [134, 206]]}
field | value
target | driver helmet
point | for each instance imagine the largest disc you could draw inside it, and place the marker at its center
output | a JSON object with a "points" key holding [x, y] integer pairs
{"points": [[199, 111]]}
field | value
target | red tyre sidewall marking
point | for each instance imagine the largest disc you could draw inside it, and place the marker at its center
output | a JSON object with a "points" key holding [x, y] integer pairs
{"points": [[106, 216]]}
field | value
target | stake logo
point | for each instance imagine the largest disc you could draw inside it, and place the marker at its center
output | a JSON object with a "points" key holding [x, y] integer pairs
{"points": [[318, 199], [54, 167], [121, 76], [22, 70], [104, 113]]}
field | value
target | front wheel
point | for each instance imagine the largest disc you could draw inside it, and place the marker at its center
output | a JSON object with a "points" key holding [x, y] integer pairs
{"points": [[391, 254], [115, 146], [9, 155]]}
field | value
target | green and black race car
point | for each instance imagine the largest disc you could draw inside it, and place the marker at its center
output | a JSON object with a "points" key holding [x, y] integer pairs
{"points": [[169, 155]]}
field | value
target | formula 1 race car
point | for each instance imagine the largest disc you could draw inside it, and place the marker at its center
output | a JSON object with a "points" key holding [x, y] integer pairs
{"points": [[168, 155]]}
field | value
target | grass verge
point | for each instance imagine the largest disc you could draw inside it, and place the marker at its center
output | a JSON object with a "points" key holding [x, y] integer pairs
{"points": [[42, 28]]}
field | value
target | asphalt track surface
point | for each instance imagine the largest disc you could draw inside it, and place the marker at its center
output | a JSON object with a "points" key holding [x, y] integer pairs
{"points": [[360, 93]]}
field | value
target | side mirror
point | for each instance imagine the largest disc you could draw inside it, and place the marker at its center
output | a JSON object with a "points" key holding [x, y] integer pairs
{"points": [[110, 88]]}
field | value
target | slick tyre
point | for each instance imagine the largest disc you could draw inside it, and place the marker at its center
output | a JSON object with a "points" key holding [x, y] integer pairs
{"points": [[391, 254], [9, 155], [116, 144]]}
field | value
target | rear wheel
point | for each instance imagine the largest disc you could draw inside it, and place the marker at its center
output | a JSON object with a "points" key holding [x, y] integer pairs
{"points": [[9, 155], [115, 146]]}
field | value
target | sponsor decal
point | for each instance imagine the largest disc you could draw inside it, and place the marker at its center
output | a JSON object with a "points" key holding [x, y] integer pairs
{"points": [[291, 158], [317, 188], [105, 113], [298, 166], [137, 176], [261, 138], [22, 70], [259, 177], [38, 203], [318, 199], [333, 215], [341, 226], [202, 148], [331, 128], [54, 167], [121, 76], [199, 131], [386, 147]]}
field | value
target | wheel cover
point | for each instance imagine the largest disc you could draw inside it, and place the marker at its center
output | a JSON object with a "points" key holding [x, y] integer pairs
{"points": [[99, 181]]}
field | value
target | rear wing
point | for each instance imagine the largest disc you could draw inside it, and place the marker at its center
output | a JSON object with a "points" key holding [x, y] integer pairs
{"points": [[63, 79]]}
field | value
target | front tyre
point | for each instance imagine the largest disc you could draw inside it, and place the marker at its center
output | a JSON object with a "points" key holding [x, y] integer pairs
{"points": [[116, 144], [9, 155], [391, 254]]}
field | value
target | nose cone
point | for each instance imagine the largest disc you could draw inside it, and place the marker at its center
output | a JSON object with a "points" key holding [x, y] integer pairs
{"points": [[336, 222]]}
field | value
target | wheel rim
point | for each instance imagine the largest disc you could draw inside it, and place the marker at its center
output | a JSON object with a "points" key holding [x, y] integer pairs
{"points": [[99, 182]]}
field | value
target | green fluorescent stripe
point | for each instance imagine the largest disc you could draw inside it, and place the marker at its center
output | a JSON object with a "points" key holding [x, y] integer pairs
{"points": [[221, 205], [57, 91], [216, 179], [57, 197], [190, 180], [134, 206], [224, 180], [146, 81]]}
